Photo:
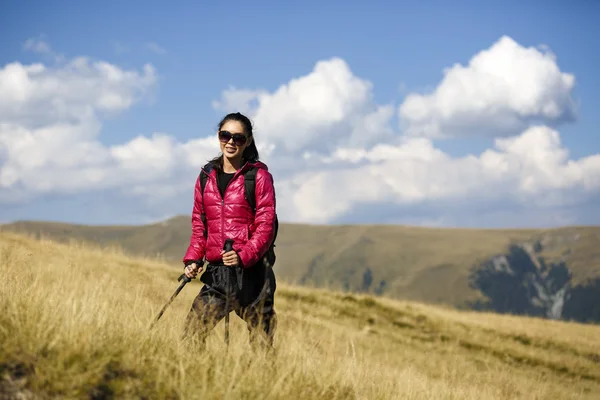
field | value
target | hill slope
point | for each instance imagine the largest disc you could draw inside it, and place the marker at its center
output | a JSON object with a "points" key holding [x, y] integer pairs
{"points": [[75, 324], [424, 264]]}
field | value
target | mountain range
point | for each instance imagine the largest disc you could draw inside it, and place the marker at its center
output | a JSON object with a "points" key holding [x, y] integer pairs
{"points": [[551, 273]]}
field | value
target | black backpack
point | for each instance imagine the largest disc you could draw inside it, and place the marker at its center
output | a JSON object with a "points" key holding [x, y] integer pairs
{"points": [[249, 185]]}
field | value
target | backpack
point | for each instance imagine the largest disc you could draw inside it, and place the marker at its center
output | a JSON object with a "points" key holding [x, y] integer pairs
{"points": [[269, 257]]}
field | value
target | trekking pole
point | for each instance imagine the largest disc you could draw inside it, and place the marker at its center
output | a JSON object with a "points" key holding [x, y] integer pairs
{"points": [[185, 281], [228, 247]]}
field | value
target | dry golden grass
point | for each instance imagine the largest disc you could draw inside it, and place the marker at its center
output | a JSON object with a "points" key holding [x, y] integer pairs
{"points": [[74, 324], [410, 263]]}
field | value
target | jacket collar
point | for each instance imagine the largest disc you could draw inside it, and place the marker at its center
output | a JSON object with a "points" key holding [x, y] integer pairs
{"points": [[210, 171]]}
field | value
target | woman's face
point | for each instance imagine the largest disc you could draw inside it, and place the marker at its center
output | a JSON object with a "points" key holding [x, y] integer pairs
{"points": [[233, 140]]}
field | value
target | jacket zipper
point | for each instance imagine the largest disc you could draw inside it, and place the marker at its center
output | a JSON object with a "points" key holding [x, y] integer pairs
{"points": [[223, 199], [222, 206]]}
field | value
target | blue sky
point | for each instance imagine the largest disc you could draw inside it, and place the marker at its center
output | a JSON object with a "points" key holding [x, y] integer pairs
{"points": [[199, 50]]}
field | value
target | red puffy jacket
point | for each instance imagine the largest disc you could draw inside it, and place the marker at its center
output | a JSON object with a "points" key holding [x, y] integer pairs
{"points": [[232, 217]]}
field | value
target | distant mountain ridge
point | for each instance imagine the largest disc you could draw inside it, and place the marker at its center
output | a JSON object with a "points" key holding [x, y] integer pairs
{"points": [[465, 268], [522, 282]]}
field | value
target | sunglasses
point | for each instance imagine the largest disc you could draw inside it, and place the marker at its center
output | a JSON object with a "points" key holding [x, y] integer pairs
{"points": [[238, 138]]}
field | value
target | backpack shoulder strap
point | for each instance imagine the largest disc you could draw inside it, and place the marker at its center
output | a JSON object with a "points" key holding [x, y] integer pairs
{"points": [[250, 185], [203, 178]]}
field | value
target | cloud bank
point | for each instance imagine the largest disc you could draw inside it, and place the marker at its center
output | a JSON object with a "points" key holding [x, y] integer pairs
{"points": [[500, 92], [336, 154]]}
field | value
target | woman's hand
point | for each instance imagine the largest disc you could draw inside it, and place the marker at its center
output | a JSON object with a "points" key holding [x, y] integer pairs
{"points": [[231, 258], [192, 270]]}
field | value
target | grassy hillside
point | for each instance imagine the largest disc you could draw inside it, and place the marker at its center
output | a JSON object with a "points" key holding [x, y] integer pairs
{"points": [[75, 325], [423, 264]]}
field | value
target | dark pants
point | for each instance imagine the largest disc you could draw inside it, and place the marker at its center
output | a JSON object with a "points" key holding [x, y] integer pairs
{"points": [[252, 294]]}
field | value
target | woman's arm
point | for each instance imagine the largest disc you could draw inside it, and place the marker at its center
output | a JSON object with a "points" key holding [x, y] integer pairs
{"points": [[197, 246], [264, 220]]}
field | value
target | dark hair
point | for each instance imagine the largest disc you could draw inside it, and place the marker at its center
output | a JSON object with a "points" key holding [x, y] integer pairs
{"points": [[251, 152]]}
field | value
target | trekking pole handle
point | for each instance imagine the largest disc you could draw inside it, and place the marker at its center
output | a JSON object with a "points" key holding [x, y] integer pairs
{"points": [[228, 245], [185, 278]]}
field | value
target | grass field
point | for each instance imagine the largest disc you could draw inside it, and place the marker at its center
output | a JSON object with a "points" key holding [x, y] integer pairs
{"points": [[409, 263], [74, 324]]}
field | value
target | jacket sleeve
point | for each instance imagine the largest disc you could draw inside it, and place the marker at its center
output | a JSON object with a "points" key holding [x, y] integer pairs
{"points": [[196, 249], [264, 220]]}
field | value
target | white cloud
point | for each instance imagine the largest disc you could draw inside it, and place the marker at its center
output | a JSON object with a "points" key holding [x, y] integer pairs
{"points": [[239, 100], [156, 48], [499, 93], [333, 150], [36, 94], [51, 125], [40, 46], [37, 45], [67, 159], [330, 102], [528, 169]]}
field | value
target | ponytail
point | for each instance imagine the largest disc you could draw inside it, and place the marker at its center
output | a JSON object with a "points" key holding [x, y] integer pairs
{"points": [[251, 152]]}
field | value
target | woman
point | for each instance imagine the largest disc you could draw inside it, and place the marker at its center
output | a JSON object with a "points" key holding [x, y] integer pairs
{"points": [[228, 215]]}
